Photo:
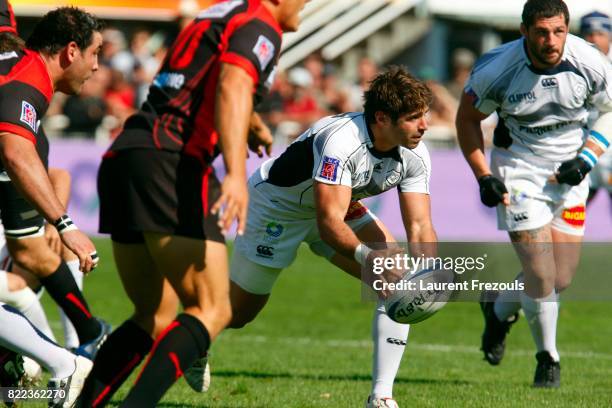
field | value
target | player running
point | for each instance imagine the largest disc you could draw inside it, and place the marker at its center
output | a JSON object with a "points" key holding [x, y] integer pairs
{"points": [[311, 194], [60, 55], [162, 204], [542, 87]]}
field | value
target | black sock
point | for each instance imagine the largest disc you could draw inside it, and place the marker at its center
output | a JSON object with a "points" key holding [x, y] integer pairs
{"points": [[174, 351], [120, 354], [64, 290]]}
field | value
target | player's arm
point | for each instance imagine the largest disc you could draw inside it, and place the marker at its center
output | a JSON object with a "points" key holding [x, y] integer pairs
{"points": [[60, 180], [332, 202], [416, 216], [30, 178], [471, 140], [573, 171], [234, 106]]}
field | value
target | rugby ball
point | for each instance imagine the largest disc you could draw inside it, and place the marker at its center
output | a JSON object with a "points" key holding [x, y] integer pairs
{"points": [[419, 295]]}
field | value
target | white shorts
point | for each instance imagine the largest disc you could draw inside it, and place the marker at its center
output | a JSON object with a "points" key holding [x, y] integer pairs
{"points": [[601, 175], [271, 240], [534, 201]]}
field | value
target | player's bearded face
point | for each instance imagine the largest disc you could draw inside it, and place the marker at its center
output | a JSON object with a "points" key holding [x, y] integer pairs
{"points": [[545, 40], [410, 128]]}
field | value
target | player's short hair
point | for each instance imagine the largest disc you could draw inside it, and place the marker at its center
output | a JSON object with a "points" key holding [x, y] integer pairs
{"points": [[395, 92], [536, 9], [61, 26], [10, 42]]}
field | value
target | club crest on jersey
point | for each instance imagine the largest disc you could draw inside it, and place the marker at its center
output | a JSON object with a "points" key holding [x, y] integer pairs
{"points": [[28, 115], [264, 51], [329, 170]]}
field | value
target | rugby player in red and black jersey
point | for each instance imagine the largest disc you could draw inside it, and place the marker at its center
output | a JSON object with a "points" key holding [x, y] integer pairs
{"points": [[59, 56], [162, 204]]}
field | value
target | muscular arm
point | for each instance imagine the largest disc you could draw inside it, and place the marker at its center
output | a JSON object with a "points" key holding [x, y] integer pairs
{"points": [[470, 136], [234, 106], [416, 215], [29, 176], [60, 180], [332, 202]]}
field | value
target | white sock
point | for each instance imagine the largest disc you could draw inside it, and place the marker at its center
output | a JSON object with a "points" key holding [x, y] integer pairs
{"points": [[18, 334], [71, 338], [389, 343], [508, 302], [542, 317], [27, 302]]}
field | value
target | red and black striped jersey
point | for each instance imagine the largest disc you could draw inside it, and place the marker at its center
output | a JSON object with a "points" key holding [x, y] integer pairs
{"points": [[25, 92], [179, 112]]}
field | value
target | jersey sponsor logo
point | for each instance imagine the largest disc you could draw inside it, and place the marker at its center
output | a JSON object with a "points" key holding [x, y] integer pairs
{"points": [[274, 229], [517, 196], [550, 83], [220, 10], [329, 170], [355, 211], [28, 115], [574, 216], [8, 55], [265, 251], [529, 97], [169, 80], [264, 51], [540, 130]]}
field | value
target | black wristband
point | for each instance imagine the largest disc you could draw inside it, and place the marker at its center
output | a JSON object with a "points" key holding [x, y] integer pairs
{"points": [[64, 224]]}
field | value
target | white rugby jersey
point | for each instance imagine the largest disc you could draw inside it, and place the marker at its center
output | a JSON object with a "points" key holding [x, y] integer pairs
{"points": [[339, 150], [543, 113]]}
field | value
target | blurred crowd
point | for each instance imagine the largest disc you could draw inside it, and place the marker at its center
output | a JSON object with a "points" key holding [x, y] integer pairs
{"points": [[298, 97]]}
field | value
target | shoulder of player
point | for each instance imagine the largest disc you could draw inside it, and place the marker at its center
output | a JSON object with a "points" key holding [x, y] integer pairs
{"points": [[339, 134], [584, 54], [418, 157], [491, 63], [30, 70]]}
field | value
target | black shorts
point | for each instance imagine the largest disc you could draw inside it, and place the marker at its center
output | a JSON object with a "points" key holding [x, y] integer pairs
{"points": [[19, 217], [148, 190]]}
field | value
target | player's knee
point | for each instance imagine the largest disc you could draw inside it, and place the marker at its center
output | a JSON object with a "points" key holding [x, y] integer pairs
{"points": [[562, 283], [241, 317], [40, 261]]}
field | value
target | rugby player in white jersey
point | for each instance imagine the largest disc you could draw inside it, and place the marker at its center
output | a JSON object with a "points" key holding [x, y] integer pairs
{"points": [[541, 86], [596, 28], [311, 194]]}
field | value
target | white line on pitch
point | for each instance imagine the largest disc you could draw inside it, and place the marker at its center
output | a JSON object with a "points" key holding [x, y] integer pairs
{"points": [[441, 348]]}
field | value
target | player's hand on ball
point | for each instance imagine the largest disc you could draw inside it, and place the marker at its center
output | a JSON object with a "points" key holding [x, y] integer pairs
{"points": [[573, 171], [233, 203], [493, 191], [83, 248], [389, 275]]}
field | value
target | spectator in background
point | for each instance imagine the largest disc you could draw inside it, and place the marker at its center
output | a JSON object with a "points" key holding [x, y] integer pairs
{"points": [[120, 98], [335, 95], [366, 71], [114, 52], [442, 111], [300, 106], [463, 61]]}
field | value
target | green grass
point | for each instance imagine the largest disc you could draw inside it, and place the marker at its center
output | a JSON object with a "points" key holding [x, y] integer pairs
{"points": [[310, 347]]}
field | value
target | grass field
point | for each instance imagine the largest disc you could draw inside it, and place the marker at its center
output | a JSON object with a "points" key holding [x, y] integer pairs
{"points": [[311, 347]]}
